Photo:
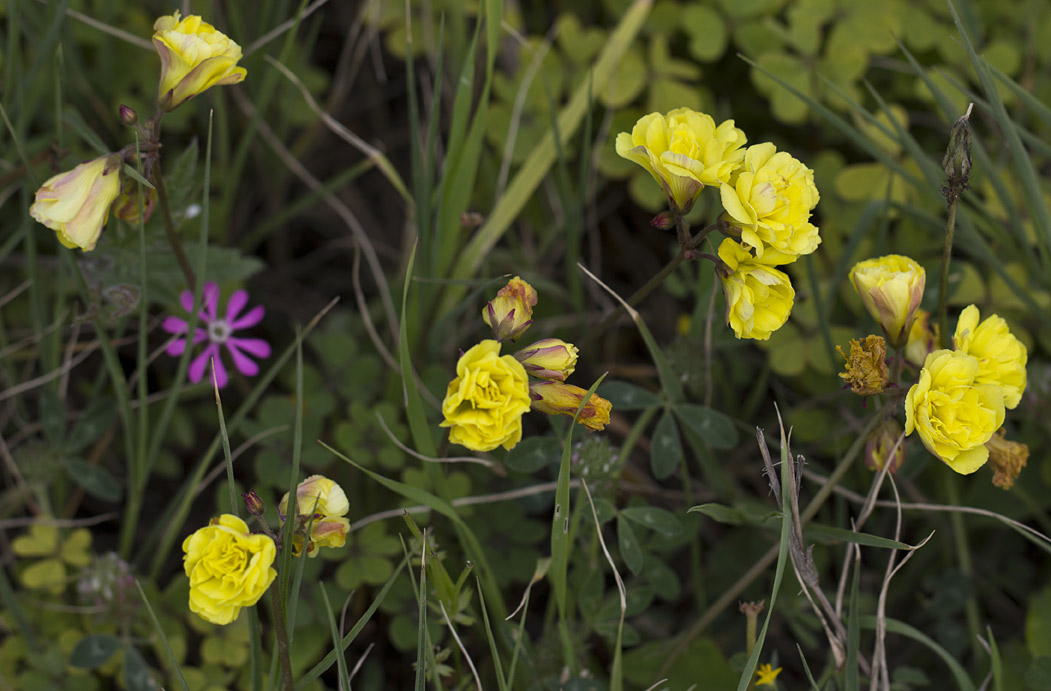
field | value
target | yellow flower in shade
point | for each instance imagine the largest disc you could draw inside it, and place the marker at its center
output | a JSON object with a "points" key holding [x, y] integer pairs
{"points": [[194, 58], [891, 288], [1007, 459], [550, 358], [484, 404], [511, 312], [770, 199], [953, 413], [866, 370], [323, 504], [557, 398], [229, 568], [923, 338], [758, 297], [1001, 356], [76, 204], [683, 151], [766, 674]]}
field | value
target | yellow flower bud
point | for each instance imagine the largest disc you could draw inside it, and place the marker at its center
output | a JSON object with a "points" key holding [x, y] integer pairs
{"points": [[759, 297], [321, 503], [953, 413], [126, 208], [194, 58], [76, 204], [891, 288], [923, 338], [550, 358], [484, 405], [228, 567], [866, 370], [881, 442], [1001, 356], [1007, 459], [683, 151], [511, 312], [770, 200], [558, 398]]}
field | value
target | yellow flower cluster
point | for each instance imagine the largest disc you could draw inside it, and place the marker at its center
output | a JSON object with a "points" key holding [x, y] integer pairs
{"points": [[767, 197], [484, 404]]}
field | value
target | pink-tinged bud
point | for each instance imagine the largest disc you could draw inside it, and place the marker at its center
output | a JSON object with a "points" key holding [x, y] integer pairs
{"points": [[253, 503], [511, 312], [881, 442], [558, 398], [75, 204], [128, 116], [550, 358], [321, 504], [891, 288], [126, 208], [665, 220]]}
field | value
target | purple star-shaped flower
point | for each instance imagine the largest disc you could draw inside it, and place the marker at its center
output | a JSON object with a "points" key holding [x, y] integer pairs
{"points": [[218, 332]]}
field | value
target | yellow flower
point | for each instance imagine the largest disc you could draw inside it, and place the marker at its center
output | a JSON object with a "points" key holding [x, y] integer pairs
{"points": [[953, 413], [511, 312], [866, 370], [550, 358], [76, 204], [485, 403], [923, 338], [758, 297], [770, 200], [229, 568], [557, 398], [328, 527], [1001, 356], [767, 674], [891, 288], [683, 151], [194, 58]]}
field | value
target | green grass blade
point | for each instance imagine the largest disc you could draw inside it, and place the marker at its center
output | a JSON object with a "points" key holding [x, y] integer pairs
{"points": [[816, 530], [414, 411], [806, 669], [498, 667], [292, 509], [852, 681], [341, 663], [160, 633], [899, 627], [421, 633]]}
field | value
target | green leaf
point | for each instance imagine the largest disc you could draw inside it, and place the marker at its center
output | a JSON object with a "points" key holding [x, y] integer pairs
{"points": [[94, 479], [707, 32], [533, 453], [712, 426], [94, 650], [664, 522], [723, 514], [1038, 624], [625, 396], [1038, 676], [629, 545], [47, 574], [665, 448], [136, 672], [963, 682], [816, 530], [97, 418]]}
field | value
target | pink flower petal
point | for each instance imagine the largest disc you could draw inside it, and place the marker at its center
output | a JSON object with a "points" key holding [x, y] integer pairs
{"points": [[253, 346], [174, 325], [242, 362], [186, 300], [176, 347], [237, 303], [211, 300], [251, 318], [200, 362]]}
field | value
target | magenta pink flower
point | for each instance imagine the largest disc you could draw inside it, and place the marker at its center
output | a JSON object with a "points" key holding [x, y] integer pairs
{"points": [[218, 332]]}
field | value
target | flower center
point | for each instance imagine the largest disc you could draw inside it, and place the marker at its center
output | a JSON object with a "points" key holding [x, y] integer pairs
{"points": [[219, 331]]}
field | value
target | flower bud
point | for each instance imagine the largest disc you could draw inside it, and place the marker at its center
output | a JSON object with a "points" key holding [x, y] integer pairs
{"points": [[321, 504], [511, 312], [126, 208], [665, 220], [253, 503], [887, 437], [550, 358], [957, 160], [557, 398], [891, 288], [75, 204], [128, 116], [866, 370], [1007, 459]]}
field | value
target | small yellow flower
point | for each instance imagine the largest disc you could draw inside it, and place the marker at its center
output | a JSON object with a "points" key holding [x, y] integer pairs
{"points": [[923, 338], [953, 413], [891, 288], [1007, 459], [328, 527], [511, 312], [194, 58], [770, 200], [550, 358], [866, 370], [683, 151], [558, 398], [229, 568], [484, 404], [75, 204], [759, 297], [767, 674], [1001, 356]]}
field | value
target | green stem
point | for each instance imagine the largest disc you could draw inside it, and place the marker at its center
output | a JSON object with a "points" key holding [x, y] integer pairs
{"points": [[282, 640], [169, 226], [963, 553], [943, 283]]}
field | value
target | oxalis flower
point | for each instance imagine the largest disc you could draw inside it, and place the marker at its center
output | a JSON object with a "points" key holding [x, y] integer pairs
{"points": [[759, 298], [1001, 356], [194, 58], [76, 204], [328, 525], [218, 332]]}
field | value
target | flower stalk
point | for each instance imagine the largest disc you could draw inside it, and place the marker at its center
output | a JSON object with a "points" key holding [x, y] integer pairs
{"points": [[957, 167]]}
